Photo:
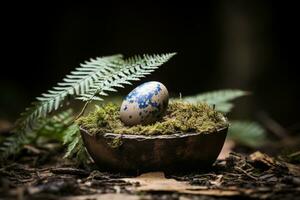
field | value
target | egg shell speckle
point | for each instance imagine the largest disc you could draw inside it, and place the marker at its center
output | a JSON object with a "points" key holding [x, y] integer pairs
{"points": [[145, 104]]}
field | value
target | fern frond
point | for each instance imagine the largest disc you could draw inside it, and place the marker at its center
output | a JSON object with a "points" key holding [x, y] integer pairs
{"points": [[13, 144], [78, 82], [248, 133], [73, 139], [52, 128], [91, 80], [75, 146], [55, 127], [220, 98], [132, 69]]}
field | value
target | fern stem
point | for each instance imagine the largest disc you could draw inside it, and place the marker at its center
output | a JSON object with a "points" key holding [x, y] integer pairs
{"points": [[88, 82], [82, 110], [85, 105]]}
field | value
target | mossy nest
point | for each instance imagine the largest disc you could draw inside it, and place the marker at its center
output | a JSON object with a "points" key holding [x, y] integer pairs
{"points": [[180, 117]]}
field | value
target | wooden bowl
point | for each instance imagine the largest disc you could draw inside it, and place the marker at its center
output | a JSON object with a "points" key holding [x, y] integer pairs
{"points": [[169, 153]]}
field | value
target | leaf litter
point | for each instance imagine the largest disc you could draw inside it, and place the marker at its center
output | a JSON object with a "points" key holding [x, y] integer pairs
{"points": [[254, 176]]}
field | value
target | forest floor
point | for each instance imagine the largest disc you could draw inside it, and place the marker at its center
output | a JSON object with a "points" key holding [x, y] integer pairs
{"points": [[42, 173]]}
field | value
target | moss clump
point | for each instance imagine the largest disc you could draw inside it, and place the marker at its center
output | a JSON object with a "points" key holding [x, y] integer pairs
{"points": [[180, 118]]}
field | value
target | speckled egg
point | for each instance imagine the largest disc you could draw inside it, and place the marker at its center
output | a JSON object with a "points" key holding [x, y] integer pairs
{"points": [[145, 104]]}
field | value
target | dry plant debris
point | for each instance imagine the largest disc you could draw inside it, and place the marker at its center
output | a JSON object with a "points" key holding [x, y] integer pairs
{"points": [[42, 176]]}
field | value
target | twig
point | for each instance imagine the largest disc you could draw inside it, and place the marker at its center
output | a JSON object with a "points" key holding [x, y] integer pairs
{"points": [[32, 148], [86, 104], [246, 173], [71, 171], [82, 110], [294, 154]]}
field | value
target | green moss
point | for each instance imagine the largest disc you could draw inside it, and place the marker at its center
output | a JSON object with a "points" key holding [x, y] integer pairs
{"points": [[180, 118]]}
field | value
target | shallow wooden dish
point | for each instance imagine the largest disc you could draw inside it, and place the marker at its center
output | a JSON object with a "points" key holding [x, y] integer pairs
{"points": [[168, 153]]}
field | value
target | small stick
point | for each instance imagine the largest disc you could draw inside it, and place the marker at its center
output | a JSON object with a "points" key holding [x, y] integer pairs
{"points": [[246, 173], [71, 171], [82, 110]]}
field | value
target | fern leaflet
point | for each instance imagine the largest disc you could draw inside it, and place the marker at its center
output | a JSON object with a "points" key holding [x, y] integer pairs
{"points": [[220, 98], [132, 69], [248, 133], [52, 128], [90, 81]]}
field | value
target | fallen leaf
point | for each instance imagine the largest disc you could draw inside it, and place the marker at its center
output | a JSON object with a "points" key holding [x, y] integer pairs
{"points": [[266, 161], [263, 158], [217, 181], [157, 182], [103, 197], [271, 162]]}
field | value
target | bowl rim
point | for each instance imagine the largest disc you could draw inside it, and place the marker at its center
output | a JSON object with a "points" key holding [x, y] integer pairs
{"points": [[149, 137]]}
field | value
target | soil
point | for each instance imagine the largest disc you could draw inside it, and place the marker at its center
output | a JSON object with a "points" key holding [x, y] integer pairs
{"points": [[41, 173]]}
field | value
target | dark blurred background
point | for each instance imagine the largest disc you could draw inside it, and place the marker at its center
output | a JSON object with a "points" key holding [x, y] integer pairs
{"points": [[243, 44]]}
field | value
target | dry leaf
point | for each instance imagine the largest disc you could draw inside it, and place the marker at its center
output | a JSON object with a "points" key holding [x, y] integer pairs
{"points": [[103, 197], [156, 181], [271, 162], [218, 180], [263, 158]]}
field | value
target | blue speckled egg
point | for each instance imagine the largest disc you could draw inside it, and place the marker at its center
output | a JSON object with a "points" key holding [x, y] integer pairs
{"points": [[145, 104]]}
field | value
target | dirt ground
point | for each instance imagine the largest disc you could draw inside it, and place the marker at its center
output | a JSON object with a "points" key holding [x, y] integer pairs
{"points": [[41, 173]]}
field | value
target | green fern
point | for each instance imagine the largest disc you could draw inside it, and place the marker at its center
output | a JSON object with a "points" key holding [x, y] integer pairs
{"points": [[131, 69], [220, 98], [75, 145], [14, 144], [248, 133], [52, 128], [74, 142], [91, 80], [76, 83]]}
